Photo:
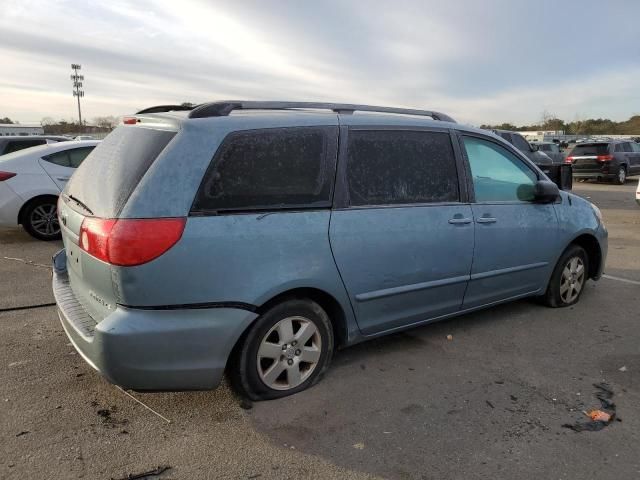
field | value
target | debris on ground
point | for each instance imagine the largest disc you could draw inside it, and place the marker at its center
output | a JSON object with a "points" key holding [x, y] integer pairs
{"points": [[142, 475], [24, 432], [449, 337], [359, 446], [598, 418], [490, 404], [623, 368]]}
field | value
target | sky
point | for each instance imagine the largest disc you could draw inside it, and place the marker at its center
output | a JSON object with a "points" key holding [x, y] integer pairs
{"points": [[480, 61]]}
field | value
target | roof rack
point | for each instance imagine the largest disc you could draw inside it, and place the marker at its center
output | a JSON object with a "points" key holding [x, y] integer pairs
{"points": [[224, 108], [164, 108]]}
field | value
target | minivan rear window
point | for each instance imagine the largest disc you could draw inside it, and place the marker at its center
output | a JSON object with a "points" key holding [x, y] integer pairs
{"points": [[111, 172], [586, 149]]}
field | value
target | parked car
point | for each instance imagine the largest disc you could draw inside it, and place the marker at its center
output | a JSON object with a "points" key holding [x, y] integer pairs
{"points": [[30, 182], [10, 144], [552, 150], [259, 242], [605, 160], [531, 151]]}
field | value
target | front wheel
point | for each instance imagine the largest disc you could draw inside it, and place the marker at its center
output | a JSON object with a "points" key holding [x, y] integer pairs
{"points": [[286, 351], [568, 278]]}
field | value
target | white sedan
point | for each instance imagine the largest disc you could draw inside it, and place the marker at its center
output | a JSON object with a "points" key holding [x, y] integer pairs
{"points": [[31, 180]]}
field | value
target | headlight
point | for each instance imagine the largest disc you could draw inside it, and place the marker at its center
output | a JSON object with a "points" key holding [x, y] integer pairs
{"points": [[597, 213]]}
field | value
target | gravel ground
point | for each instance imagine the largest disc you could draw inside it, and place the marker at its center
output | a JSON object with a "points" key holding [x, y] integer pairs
{"points": [[490, 403]]}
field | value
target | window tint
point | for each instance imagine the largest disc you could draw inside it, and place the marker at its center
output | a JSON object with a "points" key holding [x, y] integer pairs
{"points": [[618, 147], [520, 143], [635, 147], [22, 144], [498, 175], [545, 148], [584, 150], [77, 155], [59, 158], [398, 167], [626, 147], [274, 168]]}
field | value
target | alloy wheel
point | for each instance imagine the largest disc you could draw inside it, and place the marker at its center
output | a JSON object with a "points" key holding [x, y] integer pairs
{"points": [[44, 220], [572, 280], [289, 353]]}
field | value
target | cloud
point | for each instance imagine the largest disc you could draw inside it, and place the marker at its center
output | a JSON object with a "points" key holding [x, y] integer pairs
{"points": [[479, 61]]}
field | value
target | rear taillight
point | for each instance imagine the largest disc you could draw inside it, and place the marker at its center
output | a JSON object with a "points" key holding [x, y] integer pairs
{"points": [[6, 176], [604, 158], [129, 121], [568, 160], [128, 242]]}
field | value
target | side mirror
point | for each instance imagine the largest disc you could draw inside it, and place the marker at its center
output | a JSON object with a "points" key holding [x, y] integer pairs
{"points": [[545, 191], [534, 147]]}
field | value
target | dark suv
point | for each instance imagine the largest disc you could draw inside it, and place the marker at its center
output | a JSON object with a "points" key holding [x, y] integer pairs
{"points": [[605, 160]]}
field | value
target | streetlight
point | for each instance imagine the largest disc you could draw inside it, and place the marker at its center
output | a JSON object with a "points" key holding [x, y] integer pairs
{"points": [[77, 85]]}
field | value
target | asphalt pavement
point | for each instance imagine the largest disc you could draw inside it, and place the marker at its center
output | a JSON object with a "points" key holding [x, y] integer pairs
{"points": [[490, 402]]}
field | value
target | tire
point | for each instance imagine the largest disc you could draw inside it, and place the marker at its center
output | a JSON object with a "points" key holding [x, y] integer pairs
{"points": [[621, 176], [261, 368], [568, 279], [40, 219]]}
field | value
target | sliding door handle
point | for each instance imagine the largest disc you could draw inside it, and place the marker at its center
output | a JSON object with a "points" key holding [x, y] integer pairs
{"points": [[459, 221], [486, 220]]}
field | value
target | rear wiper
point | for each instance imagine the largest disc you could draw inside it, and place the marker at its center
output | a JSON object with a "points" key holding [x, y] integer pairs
{"points": [[80, 203]]}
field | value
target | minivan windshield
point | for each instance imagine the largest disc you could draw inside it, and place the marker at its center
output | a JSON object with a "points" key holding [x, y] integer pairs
{"points": [[110, 173], [585, 149]]}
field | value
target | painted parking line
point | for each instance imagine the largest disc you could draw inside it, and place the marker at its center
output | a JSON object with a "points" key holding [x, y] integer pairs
{"points": [[619, 279]]}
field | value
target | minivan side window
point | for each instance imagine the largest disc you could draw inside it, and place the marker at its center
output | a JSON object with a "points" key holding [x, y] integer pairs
{"points": [[498, 175], [626, 147], [386, 167], [270, 169]]}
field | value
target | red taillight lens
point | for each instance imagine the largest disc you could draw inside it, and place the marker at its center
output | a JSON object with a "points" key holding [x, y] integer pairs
{"points": [[604, 158], [129, 121], [128, 242], [568, 160], [6, 176]]}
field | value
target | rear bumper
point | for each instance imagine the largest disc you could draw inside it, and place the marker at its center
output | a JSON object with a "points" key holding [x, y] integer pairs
{"points": [[10, 204], [593, 174], [158, 350]]}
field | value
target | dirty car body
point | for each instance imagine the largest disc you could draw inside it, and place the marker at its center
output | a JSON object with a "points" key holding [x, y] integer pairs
{"points": [[173, 260]]}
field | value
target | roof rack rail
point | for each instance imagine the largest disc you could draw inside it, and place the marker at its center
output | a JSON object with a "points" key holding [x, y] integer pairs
{"points": [[224, 108], [164, 108]]}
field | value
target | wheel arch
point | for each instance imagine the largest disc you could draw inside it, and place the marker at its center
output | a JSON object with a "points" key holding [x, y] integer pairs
{"points": [[328, 302], [594, 253], [25, 205]]}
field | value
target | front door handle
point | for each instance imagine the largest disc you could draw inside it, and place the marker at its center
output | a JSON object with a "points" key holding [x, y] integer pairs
{"points": [[486, 220], [63, 179], [459, 221]]}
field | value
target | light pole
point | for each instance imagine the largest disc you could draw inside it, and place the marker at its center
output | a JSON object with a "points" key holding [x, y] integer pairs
{"points": [[77, 85]]}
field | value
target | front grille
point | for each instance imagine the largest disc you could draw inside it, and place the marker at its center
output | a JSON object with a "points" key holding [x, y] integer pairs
{"points": [[71, 308]]}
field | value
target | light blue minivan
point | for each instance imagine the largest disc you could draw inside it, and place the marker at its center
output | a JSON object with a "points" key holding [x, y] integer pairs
{"points": [[258, 237]]}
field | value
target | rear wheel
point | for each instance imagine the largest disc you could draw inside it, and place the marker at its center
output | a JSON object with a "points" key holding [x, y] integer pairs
{"points": [[621, 176], [568, 278], [286, 351], [40, 218]]}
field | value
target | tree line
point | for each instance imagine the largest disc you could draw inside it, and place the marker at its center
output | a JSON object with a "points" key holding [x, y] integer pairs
{"points": [[590, 126]]}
